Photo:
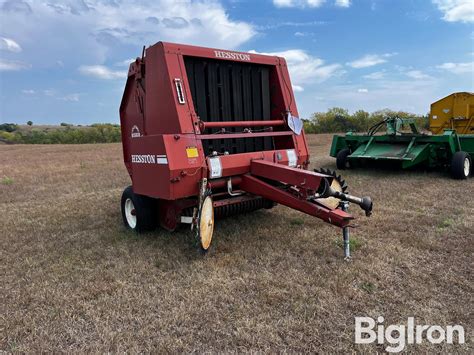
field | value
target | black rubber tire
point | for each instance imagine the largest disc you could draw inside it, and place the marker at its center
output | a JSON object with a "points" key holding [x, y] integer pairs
{"points": [[457, 165], [145, 211], [342, 162]]}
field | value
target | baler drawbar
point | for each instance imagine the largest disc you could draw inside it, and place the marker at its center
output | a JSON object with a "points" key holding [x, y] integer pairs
{"points": [[209, 133]]}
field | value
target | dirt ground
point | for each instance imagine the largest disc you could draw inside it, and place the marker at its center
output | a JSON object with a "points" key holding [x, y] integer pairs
{"points": [[74, 279]]}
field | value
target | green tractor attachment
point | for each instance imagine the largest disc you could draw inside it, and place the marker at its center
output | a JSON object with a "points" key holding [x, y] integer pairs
{"points": [[395, 148]]}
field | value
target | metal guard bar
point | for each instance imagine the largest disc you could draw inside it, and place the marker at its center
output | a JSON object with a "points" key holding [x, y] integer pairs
{"points": [[225, 124], [243, 135]]}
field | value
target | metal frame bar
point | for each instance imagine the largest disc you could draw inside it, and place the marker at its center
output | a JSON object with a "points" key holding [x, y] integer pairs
{"points": [[297, 177], [243, 135], [223, 124], [254, 185]]}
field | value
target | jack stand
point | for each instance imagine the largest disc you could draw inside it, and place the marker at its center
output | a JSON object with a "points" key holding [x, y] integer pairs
{"points": [[345, 233]]}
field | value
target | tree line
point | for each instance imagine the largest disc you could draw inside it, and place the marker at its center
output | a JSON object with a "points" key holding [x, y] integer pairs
{"points": [[65, 134], [333, 120], [338, 119]]}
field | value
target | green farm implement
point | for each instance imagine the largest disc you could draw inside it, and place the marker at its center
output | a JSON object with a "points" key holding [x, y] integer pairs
{"points": [[453, 149]]}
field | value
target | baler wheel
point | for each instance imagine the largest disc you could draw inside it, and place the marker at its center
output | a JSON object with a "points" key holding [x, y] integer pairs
{"points": [[138, 212], [205, 225], [342, 161], [461, 165]]}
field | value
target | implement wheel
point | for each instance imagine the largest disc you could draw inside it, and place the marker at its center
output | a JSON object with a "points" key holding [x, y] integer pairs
{"points": [[205, 225], [138, 212], [461, 165], [342, 160]]}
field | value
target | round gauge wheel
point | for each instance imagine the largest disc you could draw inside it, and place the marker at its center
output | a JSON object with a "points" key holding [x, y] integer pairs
{"points": [[206, 224]]}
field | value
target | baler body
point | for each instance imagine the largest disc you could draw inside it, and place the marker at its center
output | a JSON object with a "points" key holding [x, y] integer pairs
{"points": [[200, 122], [164, 145]]}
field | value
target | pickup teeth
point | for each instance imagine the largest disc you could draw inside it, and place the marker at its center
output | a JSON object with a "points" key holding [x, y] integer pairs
{"points": [[333, 173]]}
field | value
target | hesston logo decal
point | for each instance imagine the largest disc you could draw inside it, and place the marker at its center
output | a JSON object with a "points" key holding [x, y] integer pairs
{"points": [[149, 159], [232, 55]]}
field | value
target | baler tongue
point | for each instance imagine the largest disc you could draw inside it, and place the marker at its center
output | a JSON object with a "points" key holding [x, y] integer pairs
{"points": [[302, 190]]}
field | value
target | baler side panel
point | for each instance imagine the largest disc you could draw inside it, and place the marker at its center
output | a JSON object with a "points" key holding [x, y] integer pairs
{"points": [[186, 164], [166, 167], [165, 115], [131, 119], [150, 170], [284, 83]]}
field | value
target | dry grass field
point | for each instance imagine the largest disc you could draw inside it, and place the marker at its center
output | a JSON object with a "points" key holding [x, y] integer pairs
{"points": [[74, 279]]}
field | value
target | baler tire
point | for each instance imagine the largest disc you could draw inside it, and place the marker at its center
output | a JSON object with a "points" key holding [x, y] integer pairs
{"points": [[145, 211], [461, 165], [342, 163]]}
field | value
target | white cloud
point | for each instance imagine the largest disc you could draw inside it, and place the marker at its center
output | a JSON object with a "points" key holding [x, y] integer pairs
{"points": [[370, 60], [406, 95], [297, 88], [456, 10], [375, 75], [98, 29], [343, 3], [7, 44], [273, 25], [417, 74], [70, 98], [304, 34], [124, 63], [53, 94], [298, 3], [13, 65], [49, 92], [306, 69], [102, 72], [457, 68]]}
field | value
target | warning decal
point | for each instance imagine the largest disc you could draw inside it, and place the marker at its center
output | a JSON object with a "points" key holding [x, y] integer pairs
{"points": [[192, 152]]}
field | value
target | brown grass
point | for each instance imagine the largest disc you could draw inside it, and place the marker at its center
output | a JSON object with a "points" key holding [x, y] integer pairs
{"points": [[73, 279]]}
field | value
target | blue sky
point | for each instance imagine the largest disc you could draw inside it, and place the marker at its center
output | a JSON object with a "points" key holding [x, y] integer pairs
{"points": [[66, 61]]}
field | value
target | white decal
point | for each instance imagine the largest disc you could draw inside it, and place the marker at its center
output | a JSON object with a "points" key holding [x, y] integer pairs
{"points": [[295, 124], [161, 159], [232, 55], [135, 132], [149, 159], [292, 160], [216, 168]]}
